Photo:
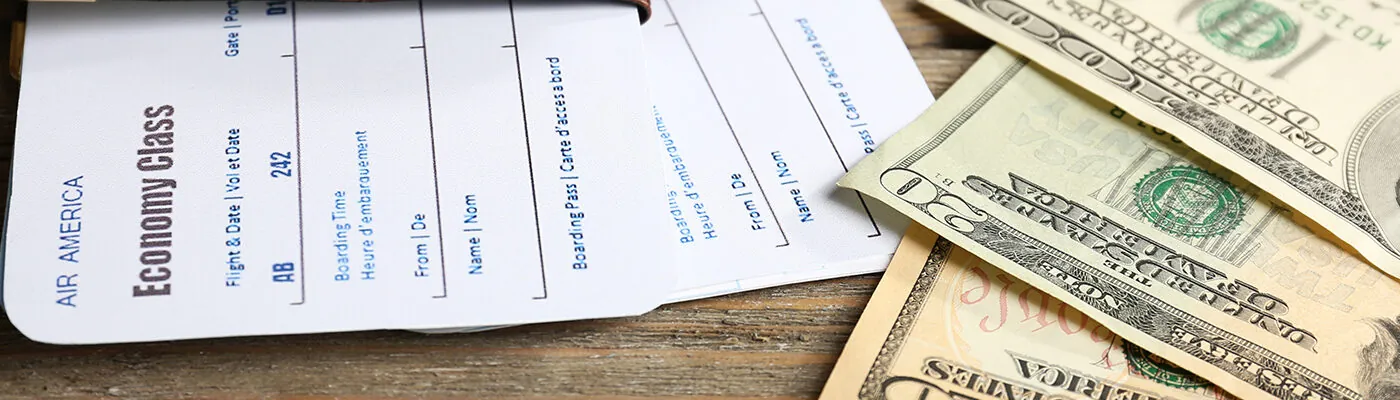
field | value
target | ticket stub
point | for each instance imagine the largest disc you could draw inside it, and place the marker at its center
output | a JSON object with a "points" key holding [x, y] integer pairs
{"points": [[203, 169], [759, 107]]}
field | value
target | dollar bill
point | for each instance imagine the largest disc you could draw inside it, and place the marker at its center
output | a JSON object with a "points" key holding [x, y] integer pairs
{"points": [[943, 324], [1298, 96], [1120, 220]]}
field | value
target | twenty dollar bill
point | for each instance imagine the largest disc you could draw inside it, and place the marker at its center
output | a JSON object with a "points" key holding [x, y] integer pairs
{"points": [[946, 325], [1300, 97], [1118, 219]]}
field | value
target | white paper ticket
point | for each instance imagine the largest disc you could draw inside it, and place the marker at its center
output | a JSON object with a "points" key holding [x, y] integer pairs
{"points": [[760, 106], [200, 169]]}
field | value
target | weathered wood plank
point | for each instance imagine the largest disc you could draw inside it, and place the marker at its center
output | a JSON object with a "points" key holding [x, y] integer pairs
{"points": [[778, 343]]}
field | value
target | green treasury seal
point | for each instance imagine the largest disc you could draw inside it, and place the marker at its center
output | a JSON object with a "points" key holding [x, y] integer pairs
{"points": [[1159, 370], [1251, 29], [1189, 201]]}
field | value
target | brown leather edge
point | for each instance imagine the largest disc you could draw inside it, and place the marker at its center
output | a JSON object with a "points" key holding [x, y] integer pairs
{"points": [[16, 48], [643, 8]]}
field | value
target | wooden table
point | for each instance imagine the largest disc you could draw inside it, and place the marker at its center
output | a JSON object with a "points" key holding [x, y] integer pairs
{"points": [[776, 343]]}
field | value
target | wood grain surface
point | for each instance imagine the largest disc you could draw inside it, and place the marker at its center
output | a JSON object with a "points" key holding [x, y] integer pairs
{"points": [[776, 343]]}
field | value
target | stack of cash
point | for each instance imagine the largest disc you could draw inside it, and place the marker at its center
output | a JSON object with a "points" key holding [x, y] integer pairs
{"points": [[1134, 199]]}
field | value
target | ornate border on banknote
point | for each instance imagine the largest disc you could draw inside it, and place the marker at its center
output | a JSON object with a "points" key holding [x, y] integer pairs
{"points": [[966, 114], [1247, 361], [1345, 204], [908, 316]]}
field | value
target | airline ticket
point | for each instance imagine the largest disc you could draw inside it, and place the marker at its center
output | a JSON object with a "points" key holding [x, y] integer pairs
{"points": [[201, 169]]}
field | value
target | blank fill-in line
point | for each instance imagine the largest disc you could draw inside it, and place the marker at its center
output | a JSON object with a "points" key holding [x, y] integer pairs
{"points": [[432, 144], [296, 117], [529, 159]]}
